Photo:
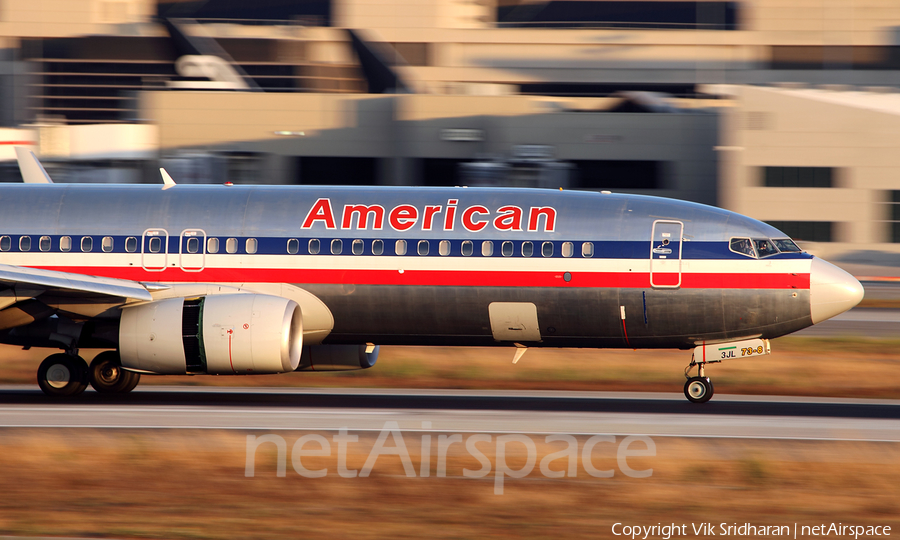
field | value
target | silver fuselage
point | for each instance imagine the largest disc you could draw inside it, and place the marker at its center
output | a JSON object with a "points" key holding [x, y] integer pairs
{"points": [[602, 270]]}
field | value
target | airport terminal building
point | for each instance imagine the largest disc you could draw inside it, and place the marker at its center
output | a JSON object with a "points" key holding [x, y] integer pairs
{"points": [[787, 114]]}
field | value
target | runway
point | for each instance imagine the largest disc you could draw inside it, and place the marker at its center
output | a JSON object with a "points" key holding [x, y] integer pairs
{"points": [[457, 411]]}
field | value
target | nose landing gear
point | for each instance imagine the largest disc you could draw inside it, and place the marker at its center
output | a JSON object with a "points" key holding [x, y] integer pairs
{"points": [[697, 389]]}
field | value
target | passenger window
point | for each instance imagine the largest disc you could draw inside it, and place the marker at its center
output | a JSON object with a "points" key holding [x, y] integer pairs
{"points": [[423, 247], [444, 248], [742, 246], [231, 245], [87, 244], [568, 249], [400, 247], [527, 249], [193, 245], [212, 245], [487, 248], [65, 243], [337, 246], [357, 247], [251, 245], [44, 244], [765, 248], [5, 243], [377, 247], [107, 244], [293, 246], [314, 246], [467, 248], [24, 243], [506, 249], [587, 250], [547, 249]]}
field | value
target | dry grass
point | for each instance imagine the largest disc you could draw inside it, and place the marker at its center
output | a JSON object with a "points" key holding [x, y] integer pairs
{"points": [[184, 484], [797, 366]]}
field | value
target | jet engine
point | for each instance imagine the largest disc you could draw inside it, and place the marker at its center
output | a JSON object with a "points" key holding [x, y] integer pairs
{"points": [[219, 334], [337, 357]]}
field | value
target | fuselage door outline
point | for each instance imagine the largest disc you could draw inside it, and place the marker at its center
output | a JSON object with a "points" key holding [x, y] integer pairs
{"points": [[665, 254], [192, 250], [155, 250]]}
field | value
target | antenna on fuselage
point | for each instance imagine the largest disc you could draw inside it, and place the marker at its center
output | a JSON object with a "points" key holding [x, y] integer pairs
{"points": [[30, 167], [167, 180]]}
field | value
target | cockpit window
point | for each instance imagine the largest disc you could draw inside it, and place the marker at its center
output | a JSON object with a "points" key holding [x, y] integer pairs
{"points": [[765, 247], [742, 246], [786, 245]]}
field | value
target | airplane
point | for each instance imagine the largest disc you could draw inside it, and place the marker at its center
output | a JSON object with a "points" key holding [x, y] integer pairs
{"points": [[243, 280]]}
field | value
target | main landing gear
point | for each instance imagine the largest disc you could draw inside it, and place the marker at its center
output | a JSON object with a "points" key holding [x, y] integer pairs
{"points": [[108, 377], [697, 389], [64, 375]]}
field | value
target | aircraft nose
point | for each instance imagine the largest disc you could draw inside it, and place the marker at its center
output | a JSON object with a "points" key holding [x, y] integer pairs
{"points": [[831, 290]]}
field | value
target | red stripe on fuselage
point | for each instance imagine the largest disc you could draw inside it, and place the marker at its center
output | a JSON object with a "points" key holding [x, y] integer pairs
{"points": [[465, 278]]}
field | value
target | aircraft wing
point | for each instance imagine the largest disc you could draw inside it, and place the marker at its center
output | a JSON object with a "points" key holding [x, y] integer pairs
{"points": [[68, 282]]}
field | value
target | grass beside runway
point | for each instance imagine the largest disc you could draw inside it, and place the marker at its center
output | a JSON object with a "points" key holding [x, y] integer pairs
{"points": [[832, 367], [179, 484]]}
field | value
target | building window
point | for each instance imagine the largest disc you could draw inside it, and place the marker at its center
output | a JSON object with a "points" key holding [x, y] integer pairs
{"points": [[815, 177], [895, 216], [806, 231]]}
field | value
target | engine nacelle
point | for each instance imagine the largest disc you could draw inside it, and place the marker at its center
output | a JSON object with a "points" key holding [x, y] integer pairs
{"points": [[220, 334], [337, 357]]}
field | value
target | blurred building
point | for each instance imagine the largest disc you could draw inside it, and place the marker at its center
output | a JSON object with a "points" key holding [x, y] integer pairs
{"points": [[822, 164], [722, 102]]}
